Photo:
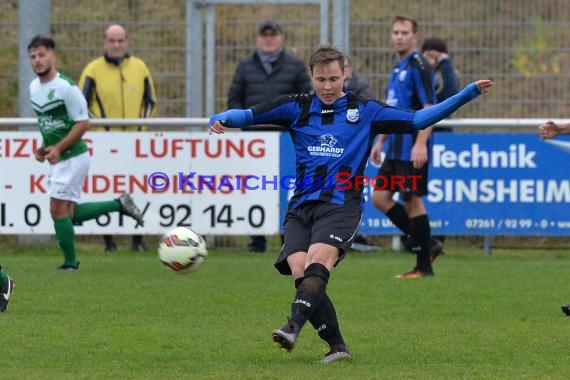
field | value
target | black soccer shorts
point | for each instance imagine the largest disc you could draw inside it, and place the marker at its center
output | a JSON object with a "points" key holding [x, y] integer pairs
{"points": [[318, 222], [415, 181]]}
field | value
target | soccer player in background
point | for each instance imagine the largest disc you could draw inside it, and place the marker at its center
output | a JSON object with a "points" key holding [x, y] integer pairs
{"points": [[7, 286], [332, 131], [411, 87], [63, 120]]}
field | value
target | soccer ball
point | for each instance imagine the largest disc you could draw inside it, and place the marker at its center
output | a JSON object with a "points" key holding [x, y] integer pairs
{"points": [[182, 250]]}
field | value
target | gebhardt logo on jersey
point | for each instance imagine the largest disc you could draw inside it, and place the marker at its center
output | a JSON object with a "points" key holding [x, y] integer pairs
{"points": [[325, 111], [352, 115], [327, 147], [328, 140]]}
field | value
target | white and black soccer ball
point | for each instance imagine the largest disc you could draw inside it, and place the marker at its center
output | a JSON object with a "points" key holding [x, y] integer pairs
{"points": [[182, 250]]}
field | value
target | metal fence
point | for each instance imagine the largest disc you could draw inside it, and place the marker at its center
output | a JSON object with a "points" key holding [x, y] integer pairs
{"points": [[524, 45]]}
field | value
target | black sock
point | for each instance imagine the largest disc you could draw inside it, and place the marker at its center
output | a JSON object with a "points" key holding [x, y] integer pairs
{"points": [[398, 215], [420, 232], [309, 293], [324, 320]]}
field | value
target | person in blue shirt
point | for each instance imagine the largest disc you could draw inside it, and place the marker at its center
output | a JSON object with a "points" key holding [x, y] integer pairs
{"points": [[410, 86], [332, 132]]}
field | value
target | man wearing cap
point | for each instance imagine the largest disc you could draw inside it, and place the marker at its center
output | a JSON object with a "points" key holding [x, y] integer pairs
{"points": [[266, 74], [269, 72]]}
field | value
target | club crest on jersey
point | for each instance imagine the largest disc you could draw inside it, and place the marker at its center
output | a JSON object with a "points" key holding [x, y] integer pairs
{"points": [[352, 115], [402, 75]]}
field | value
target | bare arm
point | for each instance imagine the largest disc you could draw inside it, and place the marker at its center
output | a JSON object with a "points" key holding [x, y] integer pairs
{"points": [[419, 155], [550, 130], [376, 151]]}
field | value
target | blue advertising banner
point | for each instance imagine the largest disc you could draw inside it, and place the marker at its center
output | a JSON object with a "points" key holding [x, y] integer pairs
{"points": [[481, 184]]}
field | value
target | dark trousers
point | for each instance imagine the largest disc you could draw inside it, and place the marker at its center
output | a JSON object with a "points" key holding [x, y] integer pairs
{"points": [[258, 243], [109, 241]]}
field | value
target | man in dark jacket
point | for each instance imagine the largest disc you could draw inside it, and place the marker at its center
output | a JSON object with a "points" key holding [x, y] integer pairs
{"points": [[267, 74], [434, 50]]}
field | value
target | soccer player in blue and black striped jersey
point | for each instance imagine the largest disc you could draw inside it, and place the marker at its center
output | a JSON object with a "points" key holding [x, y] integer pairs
{"points": [[410, 86], [333, 132]]}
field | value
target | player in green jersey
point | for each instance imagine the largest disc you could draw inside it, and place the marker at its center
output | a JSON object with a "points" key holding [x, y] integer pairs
{"points": [[63, 120]]}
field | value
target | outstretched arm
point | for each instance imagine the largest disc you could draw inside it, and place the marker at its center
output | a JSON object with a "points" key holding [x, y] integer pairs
{"points": [[550, 130], [428, 116], [232, 119]]}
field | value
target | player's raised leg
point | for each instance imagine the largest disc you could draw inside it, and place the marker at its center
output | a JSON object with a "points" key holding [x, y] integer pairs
{"points": [[124, 204]]}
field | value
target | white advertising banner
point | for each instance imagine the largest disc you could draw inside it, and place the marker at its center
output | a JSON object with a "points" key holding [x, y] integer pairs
{"points": [[219, 184]]}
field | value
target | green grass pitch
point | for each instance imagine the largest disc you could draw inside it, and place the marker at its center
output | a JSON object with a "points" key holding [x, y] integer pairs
{"points": [[125, 316]]}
